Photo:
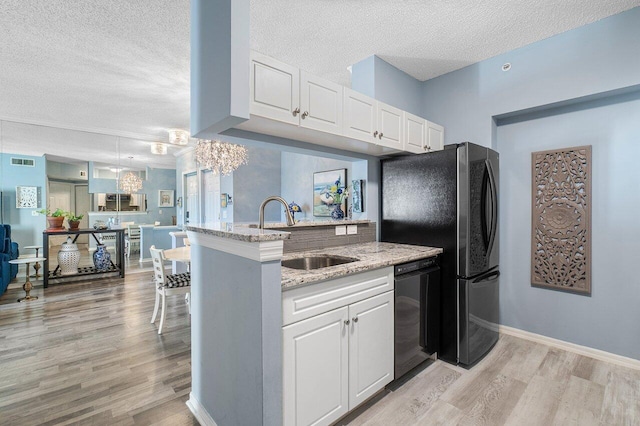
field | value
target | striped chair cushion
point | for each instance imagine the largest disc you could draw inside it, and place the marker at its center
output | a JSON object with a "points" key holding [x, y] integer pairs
{"points": [[179, 280]]}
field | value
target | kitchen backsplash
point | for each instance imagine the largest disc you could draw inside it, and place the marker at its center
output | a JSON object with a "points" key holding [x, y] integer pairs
{"points": [[319, 237]]}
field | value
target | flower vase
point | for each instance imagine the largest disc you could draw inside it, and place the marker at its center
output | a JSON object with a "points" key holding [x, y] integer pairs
{"points": [[337, 213], [102, 258]]}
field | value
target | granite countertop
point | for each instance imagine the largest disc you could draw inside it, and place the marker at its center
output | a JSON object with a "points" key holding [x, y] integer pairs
{"points": [[371, 256], [238, 232], [277, 225]]}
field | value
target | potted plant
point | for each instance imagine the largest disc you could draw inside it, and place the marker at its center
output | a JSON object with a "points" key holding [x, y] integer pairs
{"points": [[74, 221], [54, 219]]}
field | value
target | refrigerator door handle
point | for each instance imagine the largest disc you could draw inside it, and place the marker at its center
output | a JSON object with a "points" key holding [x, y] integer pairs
{"points": [[489, 276], [494, 207], [485, 227]]}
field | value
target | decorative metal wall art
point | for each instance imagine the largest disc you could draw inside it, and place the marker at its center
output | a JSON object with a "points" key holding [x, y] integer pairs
{"points": [[27, 197], [561, 219]]}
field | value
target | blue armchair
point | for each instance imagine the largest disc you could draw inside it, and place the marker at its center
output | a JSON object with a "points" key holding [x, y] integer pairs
{"points": [[8, 251]]}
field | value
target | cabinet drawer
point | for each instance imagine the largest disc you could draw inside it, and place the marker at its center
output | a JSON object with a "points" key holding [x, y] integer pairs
{"points": [[304, 302]]}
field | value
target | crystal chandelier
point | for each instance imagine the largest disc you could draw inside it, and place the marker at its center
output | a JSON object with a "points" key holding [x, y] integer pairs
{"points": [[130, 183], [221, 157]]}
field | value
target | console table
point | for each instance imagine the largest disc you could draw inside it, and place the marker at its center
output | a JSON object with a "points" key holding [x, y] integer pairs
{"points": [[117, 264]]}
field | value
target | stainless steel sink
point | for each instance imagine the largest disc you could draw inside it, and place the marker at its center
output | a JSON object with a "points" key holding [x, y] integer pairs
{"points": [[316, 262]]}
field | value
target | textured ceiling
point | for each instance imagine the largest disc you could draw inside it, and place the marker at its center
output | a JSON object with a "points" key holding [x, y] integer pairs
{"points": [[423, 38], [121, 67]]}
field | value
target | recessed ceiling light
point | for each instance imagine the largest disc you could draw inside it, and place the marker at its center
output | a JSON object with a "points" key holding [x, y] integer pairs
{"points": [[506, 67]]}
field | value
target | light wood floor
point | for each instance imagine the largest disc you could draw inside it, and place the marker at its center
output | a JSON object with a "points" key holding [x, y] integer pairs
{"points": [[518, 383], [85, 353]]}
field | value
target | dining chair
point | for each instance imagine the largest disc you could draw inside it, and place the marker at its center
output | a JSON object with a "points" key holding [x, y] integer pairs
{"points": [[132, 239], [167, 285]]}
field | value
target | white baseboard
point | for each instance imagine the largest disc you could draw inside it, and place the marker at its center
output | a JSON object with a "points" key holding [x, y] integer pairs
{"points": [[199, 412], [572, 347]]}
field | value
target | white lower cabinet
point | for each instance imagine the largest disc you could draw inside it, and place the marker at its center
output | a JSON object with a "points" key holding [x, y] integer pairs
{"points": [[370, 347], [334, 361], [316, 362]]}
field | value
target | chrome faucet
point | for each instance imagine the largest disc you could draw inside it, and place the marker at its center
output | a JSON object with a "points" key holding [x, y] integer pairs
{"points": [[288, 214]]}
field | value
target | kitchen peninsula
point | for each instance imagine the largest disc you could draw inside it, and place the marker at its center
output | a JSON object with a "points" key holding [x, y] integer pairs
{"points": [[238, 286]]}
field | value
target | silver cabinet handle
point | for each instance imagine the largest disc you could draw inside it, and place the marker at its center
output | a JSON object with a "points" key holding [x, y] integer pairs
{"points": [[375, 134], [296, 111], [380, 137], [355, 319], [346, 322], [304, 115]]}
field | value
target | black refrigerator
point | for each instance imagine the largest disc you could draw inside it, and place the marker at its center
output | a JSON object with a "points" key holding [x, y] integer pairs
{"points": [[449, 199]]}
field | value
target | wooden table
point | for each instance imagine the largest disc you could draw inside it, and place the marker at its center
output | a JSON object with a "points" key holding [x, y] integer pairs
{"points": [[37, 264], [179, 254], [27, 286]]}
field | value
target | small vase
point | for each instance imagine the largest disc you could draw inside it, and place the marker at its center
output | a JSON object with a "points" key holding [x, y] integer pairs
{"points": [[68, 258], [337, 213], [102, 258]]}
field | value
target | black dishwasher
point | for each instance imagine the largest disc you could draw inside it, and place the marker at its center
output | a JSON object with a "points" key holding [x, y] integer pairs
{"points": [[417, 313]]}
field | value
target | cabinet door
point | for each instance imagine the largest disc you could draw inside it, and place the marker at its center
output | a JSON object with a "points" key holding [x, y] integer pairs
{"points": [[359, 118], [315, 362], [435, 137], [275, 89], [370, 347], [415, 133], [390, 126], [320, 104]]}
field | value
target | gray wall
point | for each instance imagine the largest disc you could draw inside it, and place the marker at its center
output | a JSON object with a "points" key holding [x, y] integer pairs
{"points": [[254, 182], [378, 79], [588, 61], [548, 79], [609, 319]]}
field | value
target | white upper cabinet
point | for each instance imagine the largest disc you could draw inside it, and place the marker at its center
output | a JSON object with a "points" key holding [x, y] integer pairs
{"points": [[435, 137], [320, 104], [359, 116], [339, 117], [275, 89], [415, 133], [390, 120]]}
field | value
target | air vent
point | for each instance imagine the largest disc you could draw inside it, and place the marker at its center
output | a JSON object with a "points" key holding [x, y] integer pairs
{"points": [[25, 162]]}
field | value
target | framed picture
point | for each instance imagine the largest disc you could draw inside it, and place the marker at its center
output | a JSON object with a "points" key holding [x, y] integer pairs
{"points": [[165, 198], [357, 202], [27, 197], [328, 193], [224, 200]]}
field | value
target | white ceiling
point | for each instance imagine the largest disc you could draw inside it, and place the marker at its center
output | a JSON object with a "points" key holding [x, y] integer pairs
{"points": [[121, 67]]}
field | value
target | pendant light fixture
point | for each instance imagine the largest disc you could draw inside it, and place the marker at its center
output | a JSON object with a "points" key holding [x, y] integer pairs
{"points": [[130, 182], [221, 157]]}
